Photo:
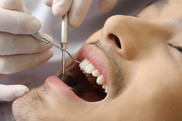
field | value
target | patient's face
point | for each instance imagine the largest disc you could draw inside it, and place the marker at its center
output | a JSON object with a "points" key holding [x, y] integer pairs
{"points": [[132, 71]]}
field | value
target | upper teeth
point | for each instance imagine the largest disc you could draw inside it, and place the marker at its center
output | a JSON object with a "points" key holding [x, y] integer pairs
{"points": [[90, 69]]}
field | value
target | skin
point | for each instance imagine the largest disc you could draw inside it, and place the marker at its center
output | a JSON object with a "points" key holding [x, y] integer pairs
{"points": [[145, 74]]}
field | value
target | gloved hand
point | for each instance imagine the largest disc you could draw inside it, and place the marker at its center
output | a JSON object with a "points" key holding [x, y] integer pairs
{"points": [[18, 50], [10, 92], [77, 8]]}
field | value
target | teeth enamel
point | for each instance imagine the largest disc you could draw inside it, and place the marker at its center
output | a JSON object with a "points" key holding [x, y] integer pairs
{"points": [[106, 90], [84, 63], [100, 80], [90, 69], [96, 73], [104, 86]]}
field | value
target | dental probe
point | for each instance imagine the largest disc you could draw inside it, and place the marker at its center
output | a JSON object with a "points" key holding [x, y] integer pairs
{"points": [[64, 42], [42, 38]]}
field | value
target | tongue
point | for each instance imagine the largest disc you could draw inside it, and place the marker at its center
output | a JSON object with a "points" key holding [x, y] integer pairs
{"points": [[90, 96]]}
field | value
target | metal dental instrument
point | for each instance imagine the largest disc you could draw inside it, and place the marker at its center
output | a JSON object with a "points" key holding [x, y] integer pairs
{"points": [[64, 42], [42, 38]]}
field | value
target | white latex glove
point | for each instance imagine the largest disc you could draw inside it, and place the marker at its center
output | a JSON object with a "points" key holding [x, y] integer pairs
{"points": [[18, 51], [11, 92], [77, 8]]}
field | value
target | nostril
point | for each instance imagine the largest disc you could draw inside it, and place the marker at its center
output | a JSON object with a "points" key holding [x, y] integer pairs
{"points": [[116, 39]]}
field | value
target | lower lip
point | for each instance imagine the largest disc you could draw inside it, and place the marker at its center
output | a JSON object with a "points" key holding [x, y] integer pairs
{"points": [[60, 86]]}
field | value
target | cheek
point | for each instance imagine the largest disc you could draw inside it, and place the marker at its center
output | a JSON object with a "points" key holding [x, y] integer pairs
{"points": [[177, 56], [155, 77], [150, 12]]}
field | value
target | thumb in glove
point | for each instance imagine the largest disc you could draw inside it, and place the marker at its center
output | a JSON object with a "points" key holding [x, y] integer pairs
{"points": [[11, 92]]}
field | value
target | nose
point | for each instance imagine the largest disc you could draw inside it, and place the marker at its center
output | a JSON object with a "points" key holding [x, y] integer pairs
{"points": [[131, 36]]}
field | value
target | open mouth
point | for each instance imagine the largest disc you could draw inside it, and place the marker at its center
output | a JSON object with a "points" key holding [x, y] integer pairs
{"points": [[86, 81], [89, 79]]}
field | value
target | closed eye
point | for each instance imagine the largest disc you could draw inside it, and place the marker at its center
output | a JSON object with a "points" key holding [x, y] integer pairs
{"points": [[179, 48]]}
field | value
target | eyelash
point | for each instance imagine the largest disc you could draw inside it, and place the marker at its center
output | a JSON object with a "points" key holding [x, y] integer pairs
{"points": [[176, 47], [179, 49]]}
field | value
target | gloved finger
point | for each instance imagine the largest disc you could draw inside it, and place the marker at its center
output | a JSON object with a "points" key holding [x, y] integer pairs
{"points": [[11, 44], [48, 2], [16, 5], [61, 7], [18, 22], [16, 63], [78, 11], [106, 5], [11, 92], [25, 10]]}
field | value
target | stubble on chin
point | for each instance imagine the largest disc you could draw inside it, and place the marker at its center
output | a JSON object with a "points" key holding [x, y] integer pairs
{"points": [[28, 107]]}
